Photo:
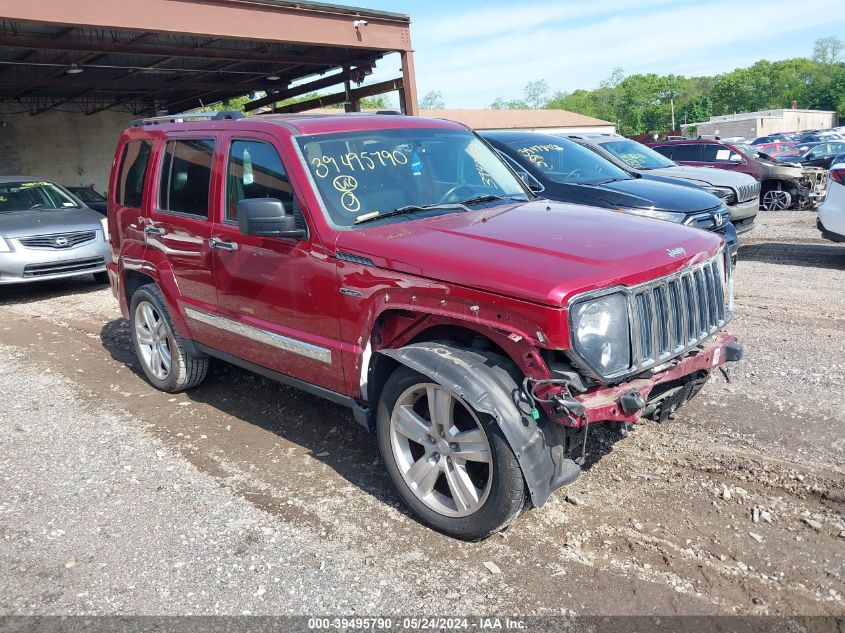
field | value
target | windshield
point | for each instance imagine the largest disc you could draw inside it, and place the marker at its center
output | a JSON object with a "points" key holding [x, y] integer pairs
{"points": [[86, 194], [362, 175], [565, 161], [29, 196], [751, 150], [637, 155]]}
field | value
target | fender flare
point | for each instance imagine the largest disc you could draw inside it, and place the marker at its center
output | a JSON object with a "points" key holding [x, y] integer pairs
{"points": [[490, 388]]}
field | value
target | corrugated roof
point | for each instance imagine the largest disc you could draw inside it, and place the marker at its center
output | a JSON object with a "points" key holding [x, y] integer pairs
{"points": [[488, 119]]}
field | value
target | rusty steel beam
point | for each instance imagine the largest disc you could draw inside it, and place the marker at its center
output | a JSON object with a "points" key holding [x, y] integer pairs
{"points": [[153, 50], [281, 95], [281, 21], [78, 82], [341, 97]]}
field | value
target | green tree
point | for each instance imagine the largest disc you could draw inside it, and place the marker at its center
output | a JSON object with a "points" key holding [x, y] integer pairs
{"points": [[826, 50], [432, 100]]}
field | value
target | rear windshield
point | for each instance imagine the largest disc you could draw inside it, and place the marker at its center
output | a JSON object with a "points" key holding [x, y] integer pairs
{"points": [[32, 196], [86, 194], [637, 155]]}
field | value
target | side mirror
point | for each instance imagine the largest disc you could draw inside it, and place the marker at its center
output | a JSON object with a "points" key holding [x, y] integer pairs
{"points": [[267, 217]]}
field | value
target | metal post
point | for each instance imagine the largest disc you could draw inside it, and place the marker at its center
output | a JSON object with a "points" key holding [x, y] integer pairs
{"points": [[408, 93]]}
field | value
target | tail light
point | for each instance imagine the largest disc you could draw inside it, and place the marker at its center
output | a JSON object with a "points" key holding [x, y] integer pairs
{"points": [[838, 175]]}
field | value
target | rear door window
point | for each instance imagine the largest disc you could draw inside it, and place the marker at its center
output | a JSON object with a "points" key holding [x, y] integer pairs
{"points": [[666, 150], [689, 152], [186, 177], [133, 173]]}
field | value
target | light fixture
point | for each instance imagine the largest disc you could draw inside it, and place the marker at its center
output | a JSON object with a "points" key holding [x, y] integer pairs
{"points": [[273, 78], [74, 69]]}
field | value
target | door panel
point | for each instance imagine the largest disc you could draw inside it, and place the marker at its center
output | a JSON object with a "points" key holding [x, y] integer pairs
{"points": [[179, 224], [278, 297]]}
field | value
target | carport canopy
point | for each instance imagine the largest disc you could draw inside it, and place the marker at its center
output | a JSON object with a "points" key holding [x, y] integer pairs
{"points": [[168, 56]]}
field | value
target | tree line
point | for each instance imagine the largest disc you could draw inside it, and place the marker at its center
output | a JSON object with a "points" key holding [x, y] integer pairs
{"points": [[651, 103]]}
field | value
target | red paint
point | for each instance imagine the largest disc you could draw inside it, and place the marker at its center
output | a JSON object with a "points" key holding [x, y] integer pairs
{"points": [[505, 272]]}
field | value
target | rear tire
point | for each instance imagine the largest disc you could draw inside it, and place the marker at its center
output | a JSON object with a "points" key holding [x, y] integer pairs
{"points": [[453, 467], [166, 362]]}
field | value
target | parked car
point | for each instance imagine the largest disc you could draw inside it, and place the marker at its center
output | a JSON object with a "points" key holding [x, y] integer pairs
{"points": [[92, 198], [783, 186], [740, 192], [563, 170], [771, 138], [814, 155], [831, 216], [398, 266], [46, 233], [776, 148]]}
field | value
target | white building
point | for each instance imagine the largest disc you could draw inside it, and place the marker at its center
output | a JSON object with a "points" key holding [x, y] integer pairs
{"points": [[753, 124]]}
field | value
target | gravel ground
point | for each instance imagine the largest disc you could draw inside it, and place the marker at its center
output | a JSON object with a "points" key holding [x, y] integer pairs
{"points": [[246, 496]]}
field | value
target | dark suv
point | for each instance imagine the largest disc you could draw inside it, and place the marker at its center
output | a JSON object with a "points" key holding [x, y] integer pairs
{"points": [[397, 266], [561, 169], [782, 186]]}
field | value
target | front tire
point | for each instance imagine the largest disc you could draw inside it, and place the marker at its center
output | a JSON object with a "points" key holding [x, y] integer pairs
{"points": [[450, 464], [166, 362]]}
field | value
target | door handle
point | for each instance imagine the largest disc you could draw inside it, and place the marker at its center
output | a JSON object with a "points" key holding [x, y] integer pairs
{"points": [[226, 246], [154, 230]]}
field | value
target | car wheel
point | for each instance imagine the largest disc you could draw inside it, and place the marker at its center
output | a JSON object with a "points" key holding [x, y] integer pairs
{"points": [[776, 200], [101, 278], [450, 464], [161, 351]]}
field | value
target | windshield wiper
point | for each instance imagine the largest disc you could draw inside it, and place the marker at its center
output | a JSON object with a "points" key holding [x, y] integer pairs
{"points": [[489, 197], [411, 208]]}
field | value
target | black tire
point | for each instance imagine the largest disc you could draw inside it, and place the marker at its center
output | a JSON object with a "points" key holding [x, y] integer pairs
{"points": [[186, 370], [507, 493], [101, 278]]}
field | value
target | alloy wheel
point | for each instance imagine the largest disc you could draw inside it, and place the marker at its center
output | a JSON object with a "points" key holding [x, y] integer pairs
{"points": [[441, 450], [151, 334], [776, 200]]}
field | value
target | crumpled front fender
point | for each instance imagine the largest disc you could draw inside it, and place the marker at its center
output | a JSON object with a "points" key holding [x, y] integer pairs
{"points": [[484, 382]]}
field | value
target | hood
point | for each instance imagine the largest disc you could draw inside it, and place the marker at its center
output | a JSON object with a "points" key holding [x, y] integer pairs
{"points": [[44, 222], [540, 251], [708, 176], [645, 193]]}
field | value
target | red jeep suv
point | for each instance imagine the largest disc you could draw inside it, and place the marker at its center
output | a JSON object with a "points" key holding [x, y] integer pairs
{"points": [[396, 265]]}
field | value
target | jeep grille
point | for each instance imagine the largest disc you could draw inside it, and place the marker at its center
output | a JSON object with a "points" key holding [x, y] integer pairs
{"points": [[677, 312]]}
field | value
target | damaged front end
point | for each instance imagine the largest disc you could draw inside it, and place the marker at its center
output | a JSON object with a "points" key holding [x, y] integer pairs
{"points": [[812, 187]]}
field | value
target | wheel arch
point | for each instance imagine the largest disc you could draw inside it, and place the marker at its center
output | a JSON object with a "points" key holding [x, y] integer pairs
{"points": [[490, 384]]}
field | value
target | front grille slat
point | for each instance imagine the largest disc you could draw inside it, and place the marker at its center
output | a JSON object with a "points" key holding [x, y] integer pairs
{"points": [[57, 268], [678, 312], [58, 240]]}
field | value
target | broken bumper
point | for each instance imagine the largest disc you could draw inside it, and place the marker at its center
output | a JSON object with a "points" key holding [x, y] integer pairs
{"points": [[615, 403]]}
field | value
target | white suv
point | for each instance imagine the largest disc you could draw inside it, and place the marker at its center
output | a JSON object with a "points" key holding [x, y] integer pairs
{"points": [[831, 215]]}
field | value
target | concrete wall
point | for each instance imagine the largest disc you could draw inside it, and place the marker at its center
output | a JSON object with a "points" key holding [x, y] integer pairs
{"points": [[69, 148]]}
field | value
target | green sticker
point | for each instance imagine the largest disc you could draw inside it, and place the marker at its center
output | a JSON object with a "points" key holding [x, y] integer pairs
{"points": [[535, 413]]}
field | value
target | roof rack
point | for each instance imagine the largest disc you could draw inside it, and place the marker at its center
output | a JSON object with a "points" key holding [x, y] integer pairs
{"points": [[223, 115]]}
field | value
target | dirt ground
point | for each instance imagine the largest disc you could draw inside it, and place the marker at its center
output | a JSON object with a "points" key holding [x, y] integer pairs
{"points": [[737, 506]]}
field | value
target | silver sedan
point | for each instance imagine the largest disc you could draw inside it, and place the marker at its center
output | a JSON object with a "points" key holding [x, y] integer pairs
{"points": [[47, 233]]}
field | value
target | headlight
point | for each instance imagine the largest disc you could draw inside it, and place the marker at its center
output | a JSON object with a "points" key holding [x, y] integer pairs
{"points": [[105, 222], [669, 216], [724, 193], [4, 245], [600, 333]]}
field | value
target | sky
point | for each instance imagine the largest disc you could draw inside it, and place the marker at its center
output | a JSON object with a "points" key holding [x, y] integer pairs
{"points": [[474, 51]]}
